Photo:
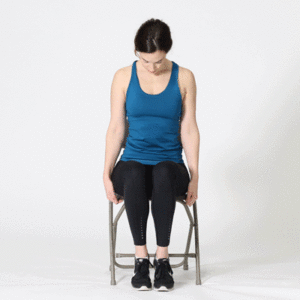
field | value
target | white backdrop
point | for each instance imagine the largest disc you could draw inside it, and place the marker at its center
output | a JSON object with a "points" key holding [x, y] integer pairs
{"points": [[58, 59]]}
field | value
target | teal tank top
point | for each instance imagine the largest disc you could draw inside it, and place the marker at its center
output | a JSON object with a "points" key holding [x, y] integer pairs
{"points": [[154, 122]]}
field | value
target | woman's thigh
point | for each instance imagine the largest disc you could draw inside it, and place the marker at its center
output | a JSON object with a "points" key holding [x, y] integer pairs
{"points": [[170, 170], [123, 170], [131, 170]]}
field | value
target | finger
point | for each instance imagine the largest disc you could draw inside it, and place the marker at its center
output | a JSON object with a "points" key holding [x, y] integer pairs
{"points": [[120, 200], [188, 199], [115, 200], [189, 202], [192, 200]]}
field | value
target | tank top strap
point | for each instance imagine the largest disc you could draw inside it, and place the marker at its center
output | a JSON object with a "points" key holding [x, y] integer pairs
{"points": [[174, 74], [134, 77]]}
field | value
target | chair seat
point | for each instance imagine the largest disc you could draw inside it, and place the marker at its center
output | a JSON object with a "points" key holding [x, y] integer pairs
{"points": [[182, 197]]}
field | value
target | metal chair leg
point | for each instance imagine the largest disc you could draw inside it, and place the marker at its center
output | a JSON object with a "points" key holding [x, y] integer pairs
{"points": [[197, 250], [188, 244], [111, 245]]}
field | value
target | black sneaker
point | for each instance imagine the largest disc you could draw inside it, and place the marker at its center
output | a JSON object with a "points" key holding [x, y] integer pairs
{"points": [[163, 276], [141, 280]]}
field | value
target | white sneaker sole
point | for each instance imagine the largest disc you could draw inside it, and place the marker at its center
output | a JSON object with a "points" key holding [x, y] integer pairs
{"points": [[163, 289], [142, 288]]}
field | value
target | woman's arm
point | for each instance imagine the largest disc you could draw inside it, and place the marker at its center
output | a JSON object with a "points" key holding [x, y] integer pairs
{"points": [[190, 136], [116, 128]]}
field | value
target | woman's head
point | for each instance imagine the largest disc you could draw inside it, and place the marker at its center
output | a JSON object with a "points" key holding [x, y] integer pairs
{"points": [[153, 41]]}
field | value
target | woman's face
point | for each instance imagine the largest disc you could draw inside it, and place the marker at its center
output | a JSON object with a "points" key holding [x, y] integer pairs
{"points": [[153, 62]]}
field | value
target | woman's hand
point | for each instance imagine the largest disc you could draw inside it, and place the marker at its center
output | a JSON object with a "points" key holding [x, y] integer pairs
{"points": [[110, 193], [192, 193]]}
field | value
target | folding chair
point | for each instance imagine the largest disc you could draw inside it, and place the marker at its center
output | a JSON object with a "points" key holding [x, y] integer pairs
{"points": [[113, 235]]}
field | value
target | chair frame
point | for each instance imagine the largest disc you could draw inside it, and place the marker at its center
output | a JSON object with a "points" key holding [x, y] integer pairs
{"points": [[113, 223]]}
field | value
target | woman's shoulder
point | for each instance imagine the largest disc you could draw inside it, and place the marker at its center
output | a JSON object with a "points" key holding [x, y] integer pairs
{"points": [[122, 78], [124, 73], [125, 69], [185, 74], [185, 79]]}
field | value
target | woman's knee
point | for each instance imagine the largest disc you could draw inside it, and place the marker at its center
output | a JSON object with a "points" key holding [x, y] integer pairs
{"points": [[164, 171], [134, 171]]}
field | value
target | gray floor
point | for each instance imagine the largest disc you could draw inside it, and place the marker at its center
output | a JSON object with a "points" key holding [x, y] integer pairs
{"points": [[40, 269]]}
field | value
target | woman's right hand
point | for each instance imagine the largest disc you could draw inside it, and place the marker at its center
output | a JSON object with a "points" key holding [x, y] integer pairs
{"points": [[110, 193]]}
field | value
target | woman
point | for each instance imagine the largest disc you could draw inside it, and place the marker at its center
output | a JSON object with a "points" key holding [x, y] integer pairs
{"points": [[159, 99]]}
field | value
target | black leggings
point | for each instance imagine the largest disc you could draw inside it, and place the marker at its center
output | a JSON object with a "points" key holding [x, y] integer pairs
{"points": [[162, 182]]}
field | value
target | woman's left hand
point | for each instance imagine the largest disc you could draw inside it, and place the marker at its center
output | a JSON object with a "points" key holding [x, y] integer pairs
{"points": [[192, 193]]}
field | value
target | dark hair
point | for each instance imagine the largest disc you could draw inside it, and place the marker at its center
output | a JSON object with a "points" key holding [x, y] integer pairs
{"points": [[153, 35]]}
